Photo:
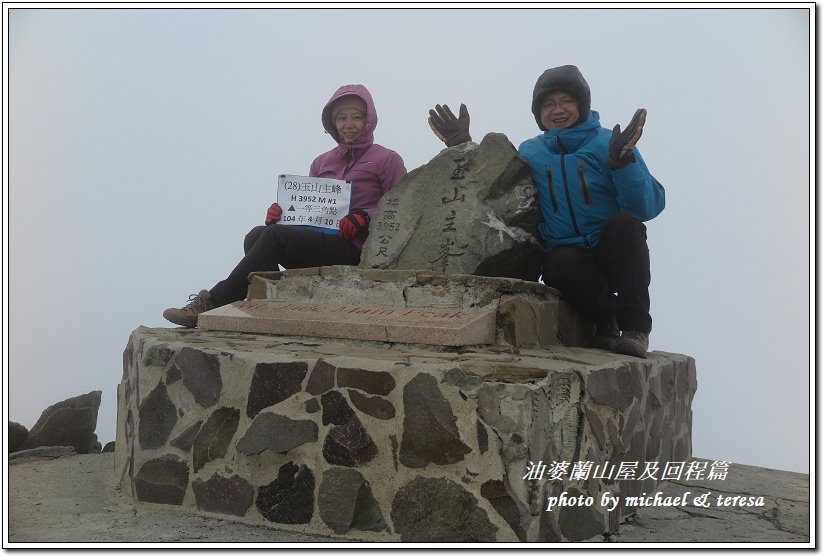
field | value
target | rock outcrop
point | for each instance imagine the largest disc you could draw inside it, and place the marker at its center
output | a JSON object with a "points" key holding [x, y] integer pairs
{"points": [[17, 435], [472, 209], [69, 422]]}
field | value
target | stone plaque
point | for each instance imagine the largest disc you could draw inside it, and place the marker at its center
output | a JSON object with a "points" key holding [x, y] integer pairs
{"points": [[438, 326]]}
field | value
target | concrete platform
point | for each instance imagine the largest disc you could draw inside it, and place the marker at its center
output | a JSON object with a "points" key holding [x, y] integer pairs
{"points": [[396, 442]]}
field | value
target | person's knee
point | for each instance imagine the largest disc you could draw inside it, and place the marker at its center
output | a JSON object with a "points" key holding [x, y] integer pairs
{"points": [[562, 256], [559, 261], [621, 220], [252, 237], [623, 225]]}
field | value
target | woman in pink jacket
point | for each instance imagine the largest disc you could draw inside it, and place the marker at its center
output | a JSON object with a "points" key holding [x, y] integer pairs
{"points": [[350, 118]]}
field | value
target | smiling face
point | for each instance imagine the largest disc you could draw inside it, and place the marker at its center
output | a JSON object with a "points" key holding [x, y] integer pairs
{"points": [[559, 110], [349, 117], [350, 123]]}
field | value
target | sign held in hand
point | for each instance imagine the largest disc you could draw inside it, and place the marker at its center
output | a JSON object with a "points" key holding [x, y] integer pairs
{"points": [[312, 201]]}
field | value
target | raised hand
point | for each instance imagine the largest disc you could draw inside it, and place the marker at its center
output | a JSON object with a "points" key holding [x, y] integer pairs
{"points": [[622, 142], [449, 129]]}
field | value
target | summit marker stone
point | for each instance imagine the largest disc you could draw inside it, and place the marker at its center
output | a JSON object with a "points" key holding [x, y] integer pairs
{"points": [[472, 209]]}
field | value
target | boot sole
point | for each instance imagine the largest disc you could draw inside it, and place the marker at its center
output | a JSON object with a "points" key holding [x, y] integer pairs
{"points": [[187, 322]]}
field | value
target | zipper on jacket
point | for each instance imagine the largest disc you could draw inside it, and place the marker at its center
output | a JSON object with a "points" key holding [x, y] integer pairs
{"points": [[583, 180], [551, 190], [569, 203], [350, 154]]}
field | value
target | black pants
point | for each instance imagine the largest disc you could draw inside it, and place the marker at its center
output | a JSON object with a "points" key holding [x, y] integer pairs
{"points": [[590, 278], [289, 246]]}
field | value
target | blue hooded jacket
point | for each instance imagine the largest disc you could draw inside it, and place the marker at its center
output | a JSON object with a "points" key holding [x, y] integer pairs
{"points": [[578, 191]]}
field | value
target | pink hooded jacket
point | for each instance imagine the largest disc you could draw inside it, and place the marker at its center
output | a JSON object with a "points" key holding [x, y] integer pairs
{"points": [[372, 168]]}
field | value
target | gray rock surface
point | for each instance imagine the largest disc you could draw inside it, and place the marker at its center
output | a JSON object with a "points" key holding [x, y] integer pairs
{"points": [[40, 453], [214, 436], [162, 480], [321, 379], [439, 510], [289, 499], [273, 383], [429, 431], [345, 502], [17, 435], [219, 494], [471, 210], [201, 374], [269, 431], [68, 422], [187, 437], [158, 417]]}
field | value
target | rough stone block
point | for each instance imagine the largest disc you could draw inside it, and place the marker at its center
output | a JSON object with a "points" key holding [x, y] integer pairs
{"points": [[276, 433], [345, 502], [528, 314], [162, 480], [16, 434], [223, 495], [463, 327], [68, 422], [471, 210], [289, 498]]}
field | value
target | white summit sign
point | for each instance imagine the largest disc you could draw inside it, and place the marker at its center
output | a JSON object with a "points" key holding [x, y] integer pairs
{"points": [[310, 201]]}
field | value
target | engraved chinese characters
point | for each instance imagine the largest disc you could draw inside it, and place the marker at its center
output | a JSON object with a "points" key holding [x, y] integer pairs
{"points": [[448, 247], [470, 210]]}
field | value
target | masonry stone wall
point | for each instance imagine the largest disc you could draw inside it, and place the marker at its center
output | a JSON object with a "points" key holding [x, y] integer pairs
{"points": [[380, 442]]}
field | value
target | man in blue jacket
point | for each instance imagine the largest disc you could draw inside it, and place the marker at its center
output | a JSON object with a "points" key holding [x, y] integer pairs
{"points": [[595, 192]]}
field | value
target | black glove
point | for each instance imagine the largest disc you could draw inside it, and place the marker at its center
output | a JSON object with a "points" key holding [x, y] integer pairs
{"points": [[452, 131], [621, 143]]}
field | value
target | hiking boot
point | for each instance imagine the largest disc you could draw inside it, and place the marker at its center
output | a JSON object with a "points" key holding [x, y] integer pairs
{"points": [[187, 315], [606, 336], [633, 343]]}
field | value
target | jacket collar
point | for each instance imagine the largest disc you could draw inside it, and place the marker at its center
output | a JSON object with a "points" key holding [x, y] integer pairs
{"points": [[565, 140]]}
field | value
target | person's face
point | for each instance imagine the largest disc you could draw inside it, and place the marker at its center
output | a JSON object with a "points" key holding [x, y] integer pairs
{"points": [[350, 123], [559, 110]]}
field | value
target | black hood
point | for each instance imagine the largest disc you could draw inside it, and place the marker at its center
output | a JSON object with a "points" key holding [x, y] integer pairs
{"points": [[563, 78]]}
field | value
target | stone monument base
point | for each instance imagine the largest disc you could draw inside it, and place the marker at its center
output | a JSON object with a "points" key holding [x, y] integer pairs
{"points": [[382, 441], [527, 314]]}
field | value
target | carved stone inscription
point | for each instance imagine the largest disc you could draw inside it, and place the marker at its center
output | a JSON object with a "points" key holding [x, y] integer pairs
{"points": [[470, 210]]}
